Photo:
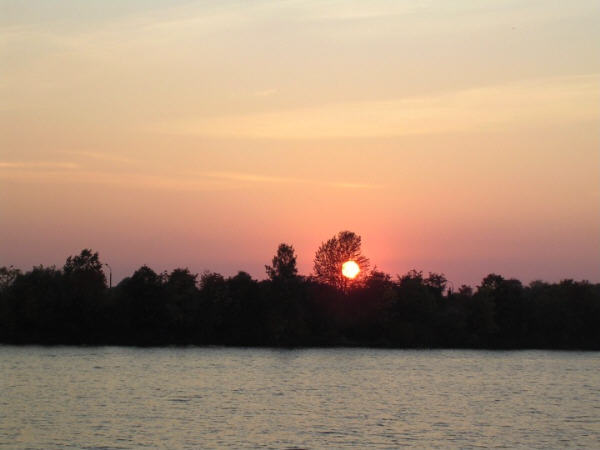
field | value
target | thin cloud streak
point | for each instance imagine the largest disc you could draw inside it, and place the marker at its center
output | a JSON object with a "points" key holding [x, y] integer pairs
{"points": [[38, 165], [255, 178], [102, 156], [210, 181], [122, 180], [265, 93], [551, 100]]}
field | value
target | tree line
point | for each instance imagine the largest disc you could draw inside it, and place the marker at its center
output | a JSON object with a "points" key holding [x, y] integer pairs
{"points": [[74, 305]]}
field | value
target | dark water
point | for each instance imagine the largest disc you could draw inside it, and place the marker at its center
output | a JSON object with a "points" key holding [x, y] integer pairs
{"points": [[214, 397]]}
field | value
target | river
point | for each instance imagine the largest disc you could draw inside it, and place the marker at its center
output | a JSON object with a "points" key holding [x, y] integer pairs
{"points": [[117, 397]]}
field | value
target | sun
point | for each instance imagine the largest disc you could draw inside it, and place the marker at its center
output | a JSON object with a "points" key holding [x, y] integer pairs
{"points": [[350, 269]]}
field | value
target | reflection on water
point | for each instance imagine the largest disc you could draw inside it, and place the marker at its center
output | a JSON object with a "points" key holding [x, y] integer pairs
{"points": [[210, 397]]}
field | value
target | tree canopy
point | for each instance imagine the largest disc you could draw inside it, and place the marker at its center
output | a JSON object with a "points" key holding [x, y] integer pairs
{"points": [[283, 265], [74, 306], [332, 254]]}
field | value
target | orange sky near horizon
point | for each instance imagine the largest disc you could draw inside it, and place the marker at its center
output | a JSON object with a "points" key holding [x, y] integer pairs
{"points": [[453, 136]]}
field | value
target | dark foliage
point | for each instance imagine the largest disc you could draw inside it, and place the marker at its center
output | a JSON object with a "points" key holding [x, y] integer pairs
{"points": [[331, 255], [74, 306]]}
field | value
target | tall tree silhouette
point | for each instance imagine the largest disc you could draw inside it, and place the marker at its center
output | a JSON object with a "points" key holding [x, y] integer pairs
{"points": [[284, 264], [331, 255], [84, 285], [142, 297], [86, 269]]}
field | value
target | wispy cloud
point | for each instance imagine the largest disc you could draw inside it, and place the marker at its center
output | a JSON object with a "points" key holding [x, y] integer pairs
{"points": [[190, 181], [111, 157], [38, 165], [256, 178], [553, 100], [127, 180], [359, 10], [265, 93]]}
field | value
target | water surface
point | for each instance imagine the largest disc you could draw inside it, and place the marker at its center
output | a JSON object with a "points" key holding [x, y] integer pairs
{"points": [[111, 397]]}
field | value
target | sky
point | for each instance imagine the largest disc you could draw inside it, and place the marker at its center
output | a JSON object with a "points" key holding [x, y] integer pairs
{"points": [[454, 136]]}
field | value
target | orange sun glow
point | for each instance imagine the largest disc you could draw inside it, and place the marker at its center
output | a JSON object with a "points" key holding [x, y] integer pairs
{"points": [[350, 269]]}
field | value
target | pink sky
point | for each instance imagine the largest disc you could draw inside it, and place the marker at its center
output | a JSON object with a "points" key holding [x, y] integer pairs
{"points": [[455, 137]]}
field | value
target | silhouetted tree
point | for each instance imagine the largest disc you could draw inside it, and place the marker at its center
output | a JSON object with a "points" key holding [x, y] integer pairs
{"points": [[181, 282], [283, 265], [285, 294], [511, 309], [491, 282], [244, 311], [34, 310], [144, 306], [8, 275], [465, 290], [415, 310], [436, 282], [331, 255], [84, 285], [85, 262], [74, 306], [215, 302], [183, 304]]}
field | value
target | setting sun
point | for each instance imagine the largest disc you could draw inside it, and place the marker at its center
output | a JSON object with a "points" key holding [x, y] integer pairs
{"points": [[350, 269]]}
